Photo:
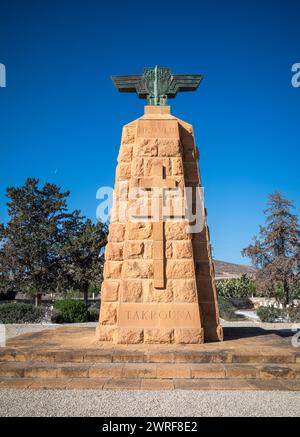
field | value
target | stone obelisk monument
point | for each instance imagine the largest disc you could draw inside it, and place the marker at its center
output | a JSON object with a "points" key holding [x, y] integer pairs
{"points": [[159, 284]]}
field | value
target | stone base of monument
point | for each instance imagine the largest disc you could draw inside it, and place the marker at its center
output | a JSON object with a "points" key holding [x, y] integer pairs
{"points": [[71, 358]]}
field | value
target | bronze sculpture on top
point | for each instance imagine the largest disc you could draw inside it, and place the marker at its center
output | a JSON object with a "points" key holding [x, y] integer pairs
{"points": [[159, 281], [157, 84]]}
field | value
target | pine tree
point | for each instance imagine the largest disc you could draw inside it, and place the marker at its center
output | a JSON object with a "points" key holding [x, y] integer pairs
{"points": [[276, 251], [81, 262], [39, 224]]}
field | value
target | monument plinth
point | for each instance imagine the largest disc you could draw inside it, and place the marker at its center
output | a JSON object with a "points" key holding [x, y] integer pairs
{"points": [[159, 282]]}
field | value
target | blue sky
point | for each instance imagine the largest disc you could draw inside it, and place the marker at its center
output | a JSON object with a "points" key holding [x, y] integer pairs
{"points": [[61, 117]]}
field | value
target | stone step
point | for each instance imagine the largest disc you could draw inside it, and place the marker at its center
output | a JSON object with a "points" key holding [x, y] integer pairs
{"points": [[150, 384], [123, 356], [29, 369]]}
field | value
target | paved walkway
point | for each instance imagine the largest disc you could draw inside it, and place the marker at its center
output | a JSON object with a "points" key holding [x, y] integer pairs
{"points": [[143, 403]]}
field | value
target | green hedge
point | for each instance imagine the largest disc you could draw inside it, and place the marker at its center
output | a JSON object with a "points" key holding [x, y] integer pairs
{"points": [[272, 314], [20, 313], [236, 287], [70, 311]]}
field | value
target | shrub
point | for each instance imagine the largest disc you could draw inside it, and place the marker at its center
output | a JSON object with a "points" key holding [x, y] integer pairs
{"points": [[20, 313], [294, 314], [271, 314], [93, 313], [69, 311], [227, 309], [295, 292], [238, 288]]}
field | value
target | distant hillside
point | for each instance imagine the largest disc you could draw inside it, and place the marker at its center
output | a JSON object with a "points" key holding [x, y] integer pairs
{"points": [[228, 270]]}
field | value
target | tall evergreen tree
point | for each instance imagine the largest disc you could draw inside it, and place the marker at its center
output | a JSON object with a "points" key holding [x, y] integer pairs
{"points": [[81, 261], [276, 251], [39, 224]]}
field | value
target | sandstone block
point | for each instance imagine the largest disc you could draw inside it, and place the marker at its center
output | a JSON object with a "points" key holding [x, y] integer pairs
{"points": [[104, 370], [203, 269], [137, 167], [201, 237], [116, 232], [112, 269], [128, 135], [158, 250], [169, 249], [139, 370], [169, 147], [200, 251], [177, 167], [125, 154], [124, 170], [131, 291], [206, 289], [109, 291], [123, 384], [159, 335], [138, 231], [157, 384], [158, 268], [105, 332], [72, 371], [40, 372], [108, 314], [134, 183], [114, 251], [189, 155], [276, 372], [121, 191], [241, 371], [152, 294], [191, 171], [149, 164], [129, 336], [183, 249], [146, 147], [184, 290], [214, 371], [187, 139], [148, 249], [176, 230], [180, 269], [187, 336], [137, 269], [133, 249], [158, 231], [173, 371]]}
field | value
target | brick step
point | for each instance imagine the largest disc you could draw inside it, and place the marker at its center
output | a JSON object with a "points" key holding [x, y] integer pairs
{"points": [[28, 369], [150, 384], [123, 356]]}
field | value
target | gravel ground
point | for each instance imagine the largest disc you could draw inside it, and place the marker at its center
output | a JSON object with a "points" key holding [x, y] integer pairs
{"points": [[13, 330], [180, 403]]}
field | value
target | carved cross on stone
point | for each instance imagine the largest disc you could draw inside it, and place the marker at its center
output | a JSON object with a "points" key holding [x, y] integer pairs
{"points": [[158, 183]]}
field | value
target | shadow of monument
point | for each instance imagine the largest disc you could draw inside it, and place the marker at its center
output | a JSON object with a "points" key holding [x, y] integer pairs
{"points": [[238, 332]]}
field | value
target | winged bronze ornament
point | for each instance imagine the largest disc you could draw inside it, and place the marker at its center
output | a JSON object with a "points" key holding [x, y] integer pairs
{"points": [[157, 84]]}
